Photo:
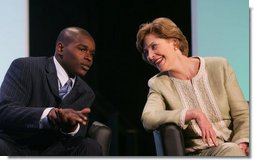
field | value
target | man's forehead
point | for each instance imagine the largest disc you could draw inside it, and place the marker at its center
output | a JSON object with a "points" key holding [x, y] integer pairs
{"points": [[87, 42], [81, 38]]}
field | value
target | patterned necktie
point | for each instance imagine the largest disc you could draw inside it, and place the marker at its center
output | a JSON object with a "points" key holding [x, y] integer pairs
{"points": [[64, 90]]}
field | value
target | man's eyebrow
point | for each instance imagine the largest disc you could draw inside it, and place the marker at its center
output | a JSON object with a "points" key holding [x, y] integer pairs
{"points": [[85, 46]]}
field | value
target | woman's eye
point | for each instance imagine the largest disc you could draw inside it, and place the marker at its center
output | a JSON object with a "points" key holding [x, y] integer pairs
{"points": [[154, 46]]}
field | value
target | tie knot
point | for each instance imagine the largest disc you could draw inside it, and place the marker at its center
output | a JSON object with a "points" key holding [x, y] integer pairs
{"points": [[68, 83], [64, 90]]}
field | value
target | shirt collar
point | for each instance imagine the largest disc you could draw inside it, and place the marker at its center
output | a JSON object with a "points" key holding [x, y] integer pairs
{"points": [[62, 75]]}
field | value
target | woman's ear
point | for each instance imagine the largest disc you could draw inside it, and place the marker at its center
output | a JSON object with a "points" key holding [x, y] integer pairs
{"points": [[176, 43]]}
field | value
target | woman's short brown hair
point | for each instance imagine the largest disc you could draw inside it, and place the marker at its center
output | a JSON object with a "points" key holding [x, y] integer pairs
{"points": [[164, 28]]}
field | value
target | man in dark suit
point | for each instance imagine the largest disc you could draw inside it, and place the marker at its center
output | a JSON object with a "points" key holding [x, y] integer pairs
{"points": [[44, 104]]}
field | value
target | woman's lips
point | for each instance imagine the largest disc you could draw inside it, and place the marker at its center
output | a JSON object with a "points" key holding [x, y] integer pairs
{"points": [[158, 61]]}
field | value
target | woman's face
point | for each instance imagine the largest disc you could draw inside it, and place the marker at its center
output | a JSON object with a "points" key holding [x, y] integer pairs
{"points": [[159, 52]]}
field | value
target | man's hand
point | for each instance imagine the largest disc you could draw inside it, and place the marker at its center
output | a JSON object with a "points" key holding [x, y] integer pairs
{"points": [[68, 119]]}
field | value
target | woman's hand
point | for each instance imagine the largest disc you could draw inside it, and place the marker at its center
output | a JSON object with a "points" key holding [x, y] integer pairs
{"points": [[208, 133]]}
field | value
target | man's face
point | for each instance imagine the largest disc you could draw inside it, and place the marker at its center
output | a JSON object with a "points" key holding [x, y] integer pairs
{"points": [[77, 56]]}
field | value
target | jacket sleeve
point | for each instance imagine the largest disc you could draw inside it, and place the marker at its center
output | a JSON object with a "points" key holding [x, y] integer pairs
{"points": [[155, 112], [15, 93], [239, 108]]}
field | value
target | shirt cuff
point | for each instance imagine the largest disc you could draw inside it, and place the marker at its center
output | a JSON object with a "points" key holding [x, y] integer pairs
{"points": [[182, 118], [44, 123], [71, 133]]}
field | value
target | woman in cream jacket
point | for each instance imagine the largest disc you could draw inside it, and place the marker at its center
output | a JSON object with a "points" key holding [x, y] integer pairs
{"points": [[201, 95]]}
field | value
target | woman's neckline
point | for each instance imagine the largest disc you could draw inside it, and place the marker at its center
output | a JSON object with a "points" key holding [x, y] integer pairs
{"points": [[199, 72]]}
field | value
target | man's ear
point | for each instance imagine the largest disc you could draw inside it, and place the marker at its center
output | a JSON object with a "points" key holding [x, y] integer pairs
{"points": [[59, 48]]}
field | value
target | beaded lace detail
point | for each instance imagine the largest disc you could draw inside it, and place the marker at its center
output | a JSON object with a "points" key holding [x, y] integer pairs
{"points": [[196, 93]]}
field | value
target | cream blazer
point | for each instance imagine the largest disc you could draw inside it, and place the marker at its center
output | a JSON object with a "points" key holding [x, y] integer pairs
{"points": [[164, 103]]}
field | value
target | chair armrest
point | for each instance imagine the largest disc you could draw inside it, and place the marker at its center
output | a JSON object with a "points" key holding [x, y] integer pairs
{"points": [[168, 140], [102, 134]]}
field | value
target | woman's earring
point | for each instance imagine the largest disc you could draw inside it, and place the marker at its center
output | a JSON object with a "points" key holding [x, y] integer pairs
{"points": [[175, 48]]}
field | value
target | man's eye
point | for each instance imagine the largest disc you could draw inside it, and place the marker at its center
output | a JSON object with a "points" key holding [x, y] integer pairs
{"points": [[86, 51], [83, 49]]}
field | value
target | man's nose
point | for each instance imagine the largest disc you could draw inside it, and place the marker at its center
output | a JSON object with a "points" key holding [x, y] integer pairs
{"points": [[88, 56]]}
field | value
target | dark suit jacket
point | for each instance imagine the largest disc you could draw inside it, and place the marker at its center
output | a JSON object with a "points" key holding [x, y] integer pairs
{"points": [[30, 85]]}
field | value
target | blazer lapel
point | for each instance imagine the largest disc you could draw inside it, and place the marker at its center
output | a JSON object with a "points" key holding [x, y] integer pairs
{"points": [[52, 77]]}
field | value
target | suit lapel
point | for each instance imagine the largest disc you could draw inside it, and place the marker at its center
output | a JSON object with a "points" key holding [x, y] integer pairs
{"points": [[77, 90], [52, 77]]}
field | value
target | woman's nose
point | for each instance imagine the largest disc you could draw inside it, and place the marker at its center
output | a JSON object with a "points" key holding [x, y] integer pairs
{"points": [[150, 55]]}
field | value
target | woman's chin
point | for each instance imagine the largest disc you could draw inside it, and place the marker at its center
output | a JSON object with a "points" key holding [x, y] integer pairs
{"points": [[162, 69]]}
